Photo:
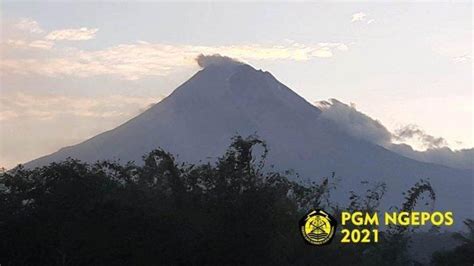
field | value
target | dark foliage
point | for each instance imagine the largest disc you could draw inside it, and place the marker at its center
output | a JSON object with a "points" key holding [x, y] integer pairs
{"points": [[462, 254], [72, 213], [165, 213]]}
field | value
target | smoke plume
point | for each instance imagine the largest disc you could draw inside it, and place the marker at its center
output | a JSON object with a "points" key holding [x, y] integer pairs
{"points": [[413, 131], [215, 59], [360, 125]]}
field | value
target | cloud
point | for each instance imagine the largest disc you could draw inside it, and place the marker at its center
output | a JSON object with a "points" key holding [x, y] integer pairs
{"points": [[41, 44], [59, 121], [142, 59], [216, 59], [461, 159], [133, 61], [462, 59], [80, 34], [24, 44], [323, 52], [357, 124], [27, 33], [413, 131], [46, 107], [16, 43], [29, 25], [360, 16], [360, 125], [370, 21], [456, 47], [354, 123]]}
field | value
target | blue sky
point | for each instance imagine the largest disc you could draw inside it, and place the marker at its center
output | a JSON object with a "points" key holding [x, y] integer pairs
{"points": [[71, 70]]}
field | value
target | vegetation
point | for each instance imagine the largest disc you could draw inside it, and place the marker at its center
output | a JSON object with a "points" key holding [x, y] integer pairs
{"points": [[462, 254], [227, 213]]}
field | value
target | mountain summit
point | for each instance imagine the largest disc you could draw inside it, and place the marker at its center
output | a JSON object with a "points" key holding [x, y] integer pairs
{"points": [[228, 98]]}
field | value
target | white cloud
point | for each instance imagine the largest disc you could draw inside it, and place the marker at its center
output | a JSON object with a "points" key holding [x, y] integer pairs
{"points": [[334, 45], [15, 43], [43, 123], [461, 59], [455, 45], [29, 25], [27, 33], [45, 107], [41, 44], [138, 60], [80, 34], [323, 52], [24, 44], [358, 16]]}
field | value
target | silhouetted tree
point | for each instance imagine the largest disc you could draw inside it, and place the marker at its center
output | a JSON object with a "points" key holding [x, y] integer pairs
{"points": [[230, 212], [460, 255]]}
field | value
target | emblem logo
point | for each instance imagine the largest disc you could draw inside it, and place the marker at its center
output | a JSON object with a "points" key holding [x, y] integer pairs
{"points": [[318, 227]]}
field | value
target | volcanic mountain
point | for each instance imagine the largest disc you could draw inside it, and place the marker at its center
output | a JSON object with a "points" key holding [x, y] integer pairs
{"points": [[197, 121]]}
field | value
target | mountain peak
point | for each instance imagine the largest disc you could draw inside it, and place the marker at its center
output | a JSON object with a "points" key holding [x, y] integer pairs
{"points": [[225, 81]]}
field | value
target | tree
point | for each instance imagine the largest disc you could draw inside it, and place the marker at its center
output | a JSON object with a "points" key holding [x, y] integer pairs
{"points": [[462, 254], [231, 212]]}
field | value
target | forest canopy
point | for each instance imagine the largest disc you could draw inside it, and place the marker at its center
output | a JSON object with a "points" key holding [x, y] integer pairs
{"points": [[163, 212]]}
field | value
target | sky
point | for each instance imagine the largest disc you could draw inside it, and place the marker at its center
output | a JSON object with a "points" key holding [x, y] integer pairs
{"points": [[70, 70]]}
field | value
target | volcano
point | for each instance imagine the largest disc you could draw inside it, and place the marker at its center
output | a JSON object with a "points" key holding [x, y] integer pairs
{"points": [[227, 98]]}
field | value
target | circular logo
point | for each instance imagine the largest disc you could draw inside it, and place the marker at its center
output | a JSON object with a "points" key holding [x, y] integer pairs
{"points": [[318, 227]]}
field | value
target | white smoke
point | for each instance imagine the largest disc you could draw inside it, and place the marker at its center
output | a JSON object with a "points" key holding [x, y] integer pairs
{"points": [[359, 125], [215, 59], [414, 132], [354, 122]]}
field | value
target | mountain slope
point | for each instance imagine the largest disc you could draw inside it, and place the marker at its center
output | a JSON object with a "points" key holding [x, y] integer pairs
{"points": [[198, 119]]}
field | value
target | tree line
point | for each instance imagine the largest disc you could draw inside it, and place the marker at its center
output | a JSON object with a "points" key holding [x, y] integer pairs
{"points": [[162, 212]]}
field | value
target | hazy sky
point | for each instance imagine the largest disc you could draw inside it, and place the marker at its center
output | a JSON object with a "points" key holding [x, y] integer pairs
{"points": [[71, 70]]}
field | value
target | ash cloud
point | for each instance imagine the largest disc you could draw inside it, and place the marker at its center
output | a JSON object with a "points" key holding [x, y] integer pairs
{"points": [[215, 59], [360, 125], [413, 131], [355, 123]]}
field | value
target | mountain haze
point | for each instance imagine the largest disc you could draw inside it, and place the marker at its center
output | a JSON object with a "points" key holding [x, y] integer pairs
{"points": [[228, 98]]}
